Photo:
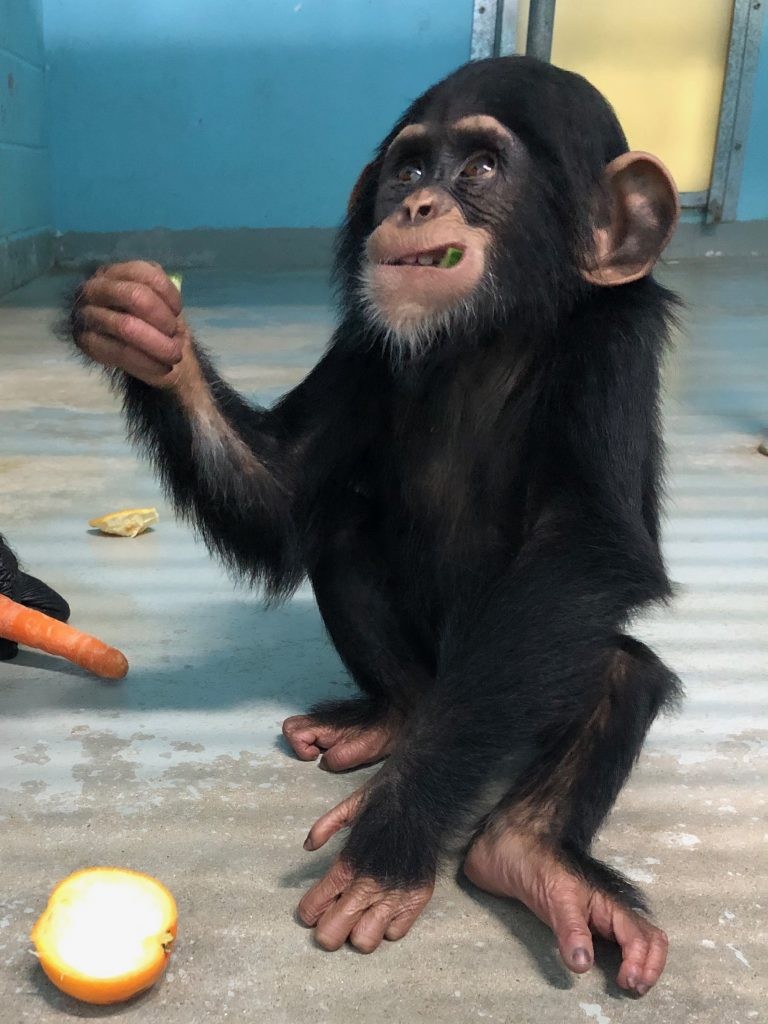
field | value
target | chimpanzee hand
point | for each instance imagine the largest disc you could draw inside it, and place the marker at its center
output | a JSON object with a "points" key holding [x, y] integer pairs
{"points": [[26, 590], [127, 316], [345, 905]]}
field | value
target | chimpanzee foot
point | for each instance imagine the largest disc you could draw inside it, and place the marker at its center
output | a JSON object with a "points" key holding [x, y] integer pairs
{"points": [[342, 742], [344, 906], [518, 867]]}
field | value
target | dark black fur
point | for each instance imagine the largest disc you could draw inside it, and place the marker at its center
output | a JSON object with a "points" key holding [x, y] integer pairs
{"points": [[26, 590], [479, 523]]}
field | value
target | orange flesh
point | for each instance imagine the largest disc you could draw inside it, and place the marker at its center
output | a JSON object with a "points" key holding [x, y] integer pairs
{"points": [[106, 934]]}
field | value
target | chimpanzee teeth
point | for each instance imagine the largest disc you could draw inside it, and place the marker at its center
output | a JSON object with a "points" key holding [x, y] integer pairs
{"points": [[425, 259]]}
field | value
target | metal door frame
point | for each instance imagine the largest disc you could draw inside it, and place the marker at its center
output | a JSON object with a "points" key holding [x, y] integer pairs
{"points": [[494, 32]]}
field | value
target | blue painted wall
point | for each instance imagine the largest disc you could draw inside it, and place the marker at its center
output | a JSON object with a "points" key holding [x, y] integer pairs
{"points": [[25, 194], [233, 113], [753, 197]]}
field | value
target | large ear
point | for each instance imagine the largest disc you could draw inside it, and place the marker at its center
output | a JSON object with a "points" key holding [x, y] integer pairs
{"points": [[359, 187], [636, 213]]}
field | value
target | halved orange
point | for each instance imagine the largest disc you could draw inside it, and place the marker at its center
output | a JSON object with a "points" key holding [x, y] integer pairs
{"points": [[106, 934]]}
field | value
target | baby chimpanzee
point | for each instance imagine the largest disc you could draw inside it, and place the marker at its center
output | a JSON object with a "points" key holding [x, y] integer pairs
{"points": [[470, 479]]}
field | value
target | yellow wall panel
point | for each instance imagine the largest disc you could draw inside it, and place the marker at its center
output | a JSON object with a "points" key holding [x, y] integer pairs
{"points": [[660, 63]]}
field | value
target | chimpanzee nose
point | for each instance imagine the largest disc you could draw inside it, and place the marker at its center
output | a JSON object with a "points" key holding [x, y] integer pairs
{"points": [[422, 206]]}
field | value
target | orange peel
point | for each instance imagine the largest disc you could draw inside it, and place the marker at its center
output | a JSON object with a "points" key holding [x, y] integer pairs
{"points": [[128, 522], [106, 934]]}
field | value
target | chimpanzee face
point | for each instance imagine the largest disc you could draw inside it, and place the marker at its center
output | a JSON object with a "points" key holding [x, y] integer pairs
{"points": [[504, 196], [444, 192]]}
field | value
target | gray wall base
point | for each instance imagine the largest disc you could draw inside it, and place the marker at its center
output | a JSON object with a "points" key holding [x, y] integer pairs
{"points": [[283, 249], [21, 259], [737, 238], [259, 249]]}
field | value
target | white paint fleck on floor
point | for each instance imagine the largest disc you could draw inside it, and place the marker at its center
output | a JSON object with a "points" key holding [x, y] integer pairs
{"points": [[595, 1011]]}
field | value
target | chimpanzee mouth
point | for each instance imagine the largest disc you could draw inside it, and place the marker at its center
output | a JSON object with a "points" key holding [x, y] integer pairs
{"points": [[444, 258]]}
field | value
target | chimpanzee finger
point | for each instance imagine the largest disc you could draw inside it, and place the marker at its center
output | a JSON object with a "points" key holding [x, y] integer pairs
{"points": [[334, 820], [655, 962], [323, 893], [364, 913], [368, 934], [574, 939], [115, 355], [133, 332], [145, 272], [643, 950], [130, 297], [410, 905], [337, 922], [401, 925], [301, 733]]}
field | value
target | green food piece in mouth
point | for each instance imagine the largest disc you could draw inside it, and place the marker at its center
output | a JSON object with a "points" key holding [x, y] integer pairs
{"points": [[451, 258], [177, 279]]}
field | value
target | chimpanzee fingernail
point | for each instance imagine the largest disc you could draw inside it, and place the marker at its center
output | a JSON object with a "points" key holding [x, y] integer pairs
{"points": [[632, 980], [308, 844], [580, 957], [641, 990]]}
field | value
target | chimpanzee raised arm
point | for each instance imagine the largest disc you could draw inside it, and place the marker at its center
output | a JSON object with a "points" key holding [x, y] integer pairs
{"points": [[245, 476]]}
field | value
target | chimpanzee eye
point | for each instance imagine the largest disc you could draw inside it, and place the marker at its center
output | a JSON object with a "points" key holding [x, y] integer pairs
{"points": [[481, 165], [409, 173]]}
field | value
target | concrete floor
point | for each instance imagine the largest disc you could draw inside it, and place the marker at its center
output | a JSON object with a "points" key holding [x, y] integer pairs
{"points": [[178, 771]]}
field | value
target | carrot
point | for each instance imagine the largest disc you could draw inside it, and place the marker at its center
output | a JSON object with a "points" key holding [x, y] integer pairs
{"points": [[34, 629]]}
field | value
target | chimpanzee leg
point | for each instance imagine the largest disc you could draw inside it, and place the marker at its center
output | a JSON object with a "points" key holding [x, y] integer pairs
{"points": [[535, 846], [383, 650]]}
